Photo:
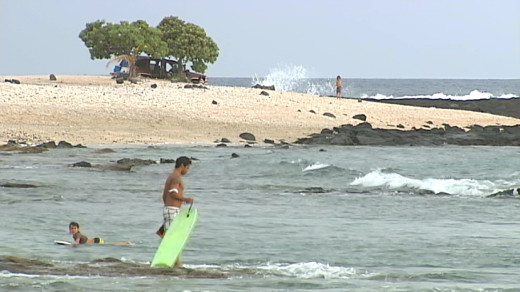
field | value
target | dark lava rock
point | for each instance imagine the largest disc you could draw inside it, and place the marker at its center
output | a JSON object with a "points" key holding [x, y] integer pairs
{"points": [[48, 145], [267, 87], [22, 148], [364, 134], [18, 185], [82, 164], [195, 86], [64, 144], [497, 106], [330, 115], [136, 161], [511, 193], [104, 151], [248, 136], [361, 117]]}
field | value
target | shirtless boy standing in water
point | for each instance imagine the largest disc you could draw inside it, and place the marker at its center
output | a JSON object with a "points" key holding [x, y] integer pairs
{"points": [[173, 194]]}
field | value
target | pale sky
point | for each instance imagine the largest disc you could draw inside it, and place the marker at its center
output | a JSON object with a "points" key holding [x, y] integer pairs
{"points": [[355, 39]]}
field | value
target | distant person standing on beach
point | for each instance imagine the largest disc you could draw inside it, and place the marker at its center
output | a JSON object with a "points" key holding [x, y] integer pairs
{"points": [[339, 85]]}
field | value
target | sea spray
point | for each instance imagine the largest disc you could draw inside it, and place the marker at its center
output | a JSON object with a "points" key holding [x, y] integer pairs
{"points": [[294, 79]]}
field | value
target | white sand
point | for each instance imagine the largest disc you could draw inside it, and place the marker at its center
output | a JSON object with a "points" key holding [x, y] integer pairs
{"points": [[96, 110]]}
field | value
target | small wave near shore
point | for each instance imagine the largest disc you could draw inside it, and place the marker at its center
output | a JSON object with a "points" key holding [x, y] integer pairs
{"points": [[388, 180]]}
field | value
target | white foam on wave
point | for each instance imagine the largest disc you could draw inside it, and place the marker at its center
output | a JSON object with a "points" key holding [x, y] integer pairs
{"points": [[473, 95], [310, 270], [7, 274], [7, 166], [395, 181], [292, 79], [315, 166]]}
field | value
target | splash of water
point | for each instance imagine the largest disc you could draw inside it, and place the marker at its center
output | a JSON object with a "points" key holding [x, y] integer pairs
{"points": [[293, 79]]}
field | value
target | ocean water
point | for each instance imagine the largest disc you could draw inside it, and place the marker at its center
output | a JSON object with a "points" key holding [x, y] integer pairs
{"points": [[307, 218], [295, 78]]}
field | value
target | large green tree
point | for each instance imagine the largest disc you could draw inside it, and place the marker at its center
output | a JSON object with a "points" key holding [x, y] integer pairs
{"points": [[123, 41], [188, 42], [173, 37]]}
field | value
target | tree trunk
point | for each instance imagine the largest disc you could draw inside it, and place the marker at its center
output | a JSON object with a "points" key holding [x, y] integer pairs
{"points": [[181, 65], [131, 60]]}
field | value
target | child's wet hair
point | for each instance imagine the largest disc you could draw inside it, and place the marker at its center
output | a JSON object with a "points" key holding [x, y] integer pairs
{"points": [[74, 224]]}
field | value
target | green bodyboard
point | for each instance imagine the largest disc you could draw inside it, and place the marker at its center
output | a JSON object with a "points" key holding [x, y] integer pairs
{"points": [[175, 238]]}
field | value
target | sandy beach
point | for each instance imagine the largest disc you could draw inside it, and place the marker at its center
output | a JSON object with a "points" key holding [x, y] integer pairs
{"points": [[96, 110]]}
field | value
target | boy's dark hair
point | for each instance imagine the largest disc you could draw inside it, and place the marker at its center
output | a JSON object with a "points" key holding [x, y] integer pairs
{"points": [[183, 160], [74, 224]]}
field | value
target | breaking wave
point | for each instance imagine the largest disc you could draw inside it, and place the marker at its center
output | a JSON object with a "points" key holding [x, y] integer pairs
{"points": [[473, 95], [397, 182]]}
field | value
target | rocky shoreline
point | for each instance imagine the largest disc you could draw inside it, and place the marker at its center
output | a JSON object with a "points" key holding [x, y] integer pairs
{"points": [[508, 107], [475, 135], [364, 134]]}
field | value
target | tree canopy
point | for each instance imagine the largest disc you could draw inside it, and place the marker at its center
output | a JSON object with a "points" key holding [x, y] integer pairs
{"points": [[172, 38], [106, 40], [188, 43]]}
